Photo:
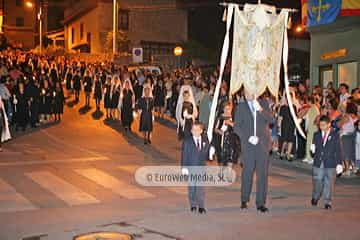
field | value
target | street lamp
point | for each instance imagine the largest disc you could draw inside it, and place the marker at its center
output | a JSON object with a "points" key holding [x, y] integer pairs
{"points": [[178, 51], [299, 29], [30, 4], [114, 26]]}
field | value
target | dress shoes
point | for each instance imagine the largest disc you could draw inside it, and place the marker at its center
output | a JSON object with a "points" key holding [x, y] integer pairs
{"points": [[314, 202], [202, 210], [263, 209], [328, 207], [244, 205]]}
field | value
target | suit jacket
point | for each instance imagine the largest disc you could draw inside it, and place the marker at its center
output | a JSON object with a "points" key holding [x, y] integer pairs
{"points": [[330, 154], [191, 156], [244, 125]]}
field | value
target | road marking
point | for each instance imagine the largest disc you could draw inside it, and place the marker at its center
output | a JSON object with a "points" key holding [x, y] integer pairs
{"points": [[62, 189], [69, 160], [115, 185], [65, 143], [12, 201], [132, 169]]}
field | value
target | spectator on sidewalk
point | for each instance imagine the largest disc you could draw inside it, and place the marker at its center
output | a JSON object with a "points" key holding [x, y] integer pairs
{"points": [[311, 126], [347, 129]]}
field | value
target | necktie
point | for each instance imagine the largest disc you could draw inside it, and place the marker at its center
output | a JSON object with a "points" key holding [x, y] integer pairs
{"points": [[324, 138], [198, 144], [252, 108]]}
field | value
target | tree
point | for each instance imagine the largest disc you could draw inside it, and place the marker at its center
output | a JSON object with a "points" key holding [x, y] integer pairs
{"points": [[122, 42], [195, 50]]}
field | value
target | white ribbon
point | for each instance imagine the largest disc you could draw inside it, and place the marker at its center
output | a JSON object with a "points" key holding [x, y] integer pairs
{"points": [[287, 90], [224, 54]]}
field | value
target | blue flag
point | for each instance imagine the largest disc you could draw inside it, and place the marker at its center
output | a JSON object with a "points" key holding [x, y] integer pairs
{"points": [[322, 11]]}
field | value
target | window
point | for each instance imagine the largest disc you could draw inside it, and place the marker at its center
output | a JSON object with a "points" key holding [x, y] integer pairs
{"points": [[347, 73], [88, 39], [19, 21], [326, 75], [19, 3], [123, 21], [72, 35], [81, 31]]}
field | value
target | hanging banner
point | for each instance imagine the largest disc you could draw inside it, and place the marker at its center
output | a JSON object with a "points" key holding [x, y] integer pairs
{"points": [[256, 54]]}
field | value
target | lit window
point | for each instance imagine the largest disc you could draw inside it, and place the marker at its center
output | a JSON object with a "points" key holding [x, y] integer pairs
{"points": [[347, 73]]}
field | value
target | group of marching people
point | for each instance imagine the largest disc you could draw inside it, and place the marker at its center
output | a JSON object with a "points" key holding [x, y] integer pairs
{"points": [[30, 91], [115, 91]]}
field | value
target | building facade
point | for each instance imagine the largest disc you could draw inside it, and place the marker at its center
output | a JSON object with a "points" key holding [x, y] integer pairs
{"points": [[335, 52], [155, 25], [21, 22]]}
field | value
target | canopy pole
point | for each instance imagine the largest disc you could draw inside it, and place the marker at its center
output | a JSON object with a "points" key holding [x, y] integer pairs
{"points": [[242, 5]]}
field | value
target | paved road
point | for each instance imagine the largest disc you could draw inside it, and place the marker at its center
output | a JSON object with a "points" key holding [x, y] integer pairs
{"points": [[78, 176]]}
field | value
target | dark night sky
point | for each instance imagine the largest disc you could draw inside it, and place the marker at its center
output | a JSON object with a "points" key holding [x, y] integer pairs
{"points": [[206, 27]]}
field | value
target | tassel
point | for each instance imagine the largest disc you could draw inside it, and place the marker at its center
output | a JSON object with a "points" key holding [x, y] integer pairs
{"points": [[224, 15], [289, 24]]}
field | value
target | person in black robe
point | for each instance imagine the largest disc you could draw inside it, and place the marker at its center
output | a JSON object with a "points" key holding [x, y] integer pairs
{"points": [[77, 85], [59, 101], [138, 89], [159, 100], [33, 92], [97, 91], [127, 105], [21, 105], [186, 112], [115, 97], [107, 98], [145, 106], [69, 80], [54, 75], [46, 96], [225, 140], [87, 87], [287, 136]]}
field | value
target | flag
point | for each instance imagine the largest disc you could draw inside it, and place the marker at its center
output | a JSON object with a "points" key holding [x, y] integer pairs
{"points": [[348, 8], [322, 11]]}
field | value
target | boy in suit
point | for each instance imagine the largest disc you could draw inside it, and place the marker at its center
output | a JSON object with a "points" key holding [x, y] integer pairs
{"points": [[195, 153], [327, 162]]}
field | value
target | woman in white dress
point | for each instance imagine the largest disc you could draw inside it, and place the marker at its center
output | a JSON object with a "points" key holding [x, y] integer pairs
{"points": [[4, 125]]}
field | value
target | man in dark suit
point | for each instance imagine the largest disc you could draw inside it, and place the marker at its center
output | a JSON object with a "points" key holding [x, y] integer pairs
{"points": [[327, 162], [195, 153], [254, 149]]}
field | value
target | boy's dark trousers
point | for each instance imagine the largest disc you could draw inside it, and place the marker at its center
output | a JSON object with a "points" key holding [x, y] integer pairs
{"points": [[323, 183]]}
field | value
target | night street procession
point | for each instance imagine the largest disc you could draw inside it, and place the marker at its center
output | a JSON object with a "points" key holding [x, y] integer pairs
{"points": [[179, 119]]}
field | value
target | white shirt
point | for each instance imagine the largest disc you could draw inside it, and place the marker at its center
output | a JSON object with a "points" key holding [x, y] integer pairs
{"points": [[325, 136], [197, 141], [251, 106]]}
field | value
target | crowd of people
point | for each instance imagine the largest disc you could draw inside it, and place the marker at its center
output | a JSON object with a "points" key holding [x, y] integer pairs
{"points": [[33, 91]]}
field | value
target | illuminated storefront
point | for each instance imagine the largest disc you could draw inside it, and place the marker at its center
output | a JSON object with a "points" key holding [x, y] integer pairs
{"points": [[335, 52]]}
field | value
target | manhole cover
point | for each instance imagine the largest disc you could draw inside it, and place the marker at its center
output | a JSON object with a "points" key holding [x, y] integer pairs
{"points": [[104, 236]]}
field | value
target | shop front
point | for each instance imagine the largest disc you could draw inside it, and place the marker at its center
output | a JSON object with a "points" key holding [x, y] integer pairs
{"points": [[335, 53]]}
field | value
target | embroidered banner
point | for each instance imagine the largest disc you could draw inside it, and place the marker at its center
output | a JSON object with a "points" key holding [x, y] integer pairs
{"points": [[257, 49]]}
